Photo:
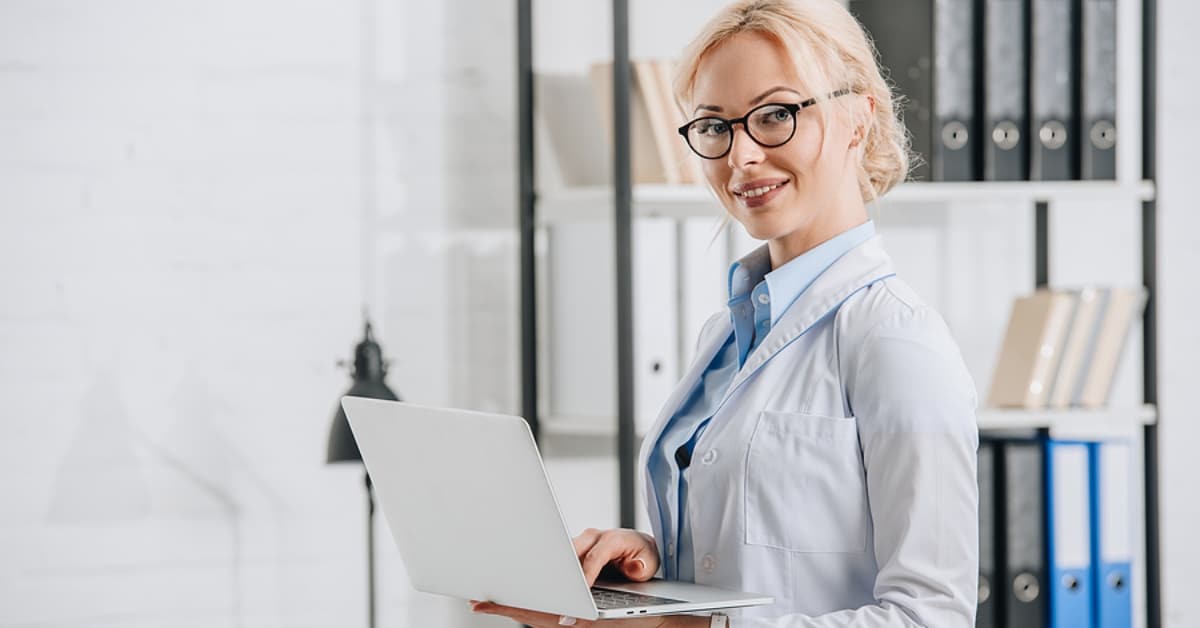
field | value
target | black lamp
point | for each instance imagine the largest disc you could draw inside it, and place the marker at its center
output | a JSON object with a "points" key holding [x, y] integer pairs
{"points": [[369, 372]]}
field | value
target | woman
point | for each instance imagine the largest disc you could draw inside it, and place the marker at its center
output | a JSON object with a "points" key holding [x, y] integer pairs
{"points": [[821, 448]]}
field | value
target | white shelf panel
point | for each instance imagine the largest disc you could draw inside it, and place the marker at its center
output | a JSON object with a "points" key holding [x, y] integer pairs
{"points": [[596, 427], [1066, 424], [595, 204], [1072, 424]]}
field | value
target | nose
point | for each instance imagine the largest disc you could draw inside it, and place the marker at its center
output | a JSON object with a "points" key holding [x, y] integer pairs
{"points": [[744, 150]]}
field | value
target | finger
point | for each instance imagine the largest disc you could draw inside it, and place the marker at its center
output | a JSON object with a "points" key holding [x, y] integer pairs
{"points": [[584, 542], [611, 548], [519, 615], [592, 563], [635, 568]]}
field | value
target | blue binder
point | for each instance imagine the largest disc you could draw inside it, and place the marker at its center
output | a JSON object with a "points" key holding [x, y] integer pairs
{"points": [[1069, 519], [1112, 542]]}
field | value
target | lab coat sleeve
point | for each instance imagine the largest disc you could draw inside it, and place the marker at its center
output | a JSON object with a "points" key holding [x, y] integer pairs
{"points": [[915, 406]]}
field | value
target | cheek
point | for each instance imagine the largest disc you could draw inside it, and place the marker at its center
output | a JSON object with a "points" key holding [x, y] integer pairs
{"points": [[716, 171], [817, 151], [801, 156]]}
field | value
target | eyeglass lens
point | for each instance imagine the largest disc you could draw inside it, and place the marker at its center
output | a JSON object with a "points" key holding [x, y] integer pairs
{"points": [[770, 125]]}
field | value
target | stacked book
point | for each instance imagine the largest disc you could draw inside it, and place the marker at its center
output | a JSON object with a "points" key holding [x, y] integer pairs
{"points": [[577, 112], [1062, 347]]}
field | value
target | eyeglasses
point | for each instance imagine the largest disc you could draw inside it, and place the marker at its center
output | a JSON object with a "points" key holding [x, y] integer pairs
{"points": [[769, 125]]}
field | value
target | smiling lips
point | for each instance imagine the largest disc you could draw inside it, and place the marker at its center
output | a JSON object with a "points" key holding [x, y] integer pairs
{"points": [[757, 188]]}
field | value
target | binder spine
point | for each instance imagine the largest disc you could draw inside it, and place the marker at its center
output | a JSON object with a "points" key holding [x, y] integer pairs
{"points": [[1022, 490], [902, 31], [1111, 551], [1053, 81], [955, 129], [986, 614], [1099, 89], [1006, 90], [1069, 525]]}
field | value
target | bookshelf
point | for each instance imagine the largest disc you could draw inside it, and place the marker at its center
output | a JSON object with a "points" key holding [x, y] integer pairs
{"points": [[1117, 422], [594, 203], [621, 202]]}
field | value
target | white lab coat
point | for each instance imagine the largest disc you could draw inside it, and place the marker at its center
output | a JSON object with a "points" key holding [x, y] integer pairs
{"points": [[838, 474]]}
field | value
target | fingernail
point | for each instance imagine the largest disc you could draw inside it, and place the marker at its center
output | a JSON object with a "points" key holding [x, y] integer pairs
{"points": [[641, 564]]}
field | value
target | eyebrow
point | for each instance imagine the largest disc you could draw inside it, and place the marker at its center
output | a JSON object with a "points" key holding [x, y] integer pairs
{"points": [[755, 101]]}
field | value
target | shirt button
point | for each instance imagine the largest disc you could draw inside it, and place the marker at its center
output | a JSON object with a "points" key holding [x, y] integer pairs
{"points": [[764, 298], [708, 563], [670, 548], [710, 456]]}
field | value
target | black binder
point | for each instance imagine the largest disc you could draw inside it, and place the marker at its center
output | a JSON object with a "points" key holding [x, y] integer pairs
{"points": [[1053, 77], [1005, 102], [1024, 592], [927, 49], [986, 612], [1098, 41]]}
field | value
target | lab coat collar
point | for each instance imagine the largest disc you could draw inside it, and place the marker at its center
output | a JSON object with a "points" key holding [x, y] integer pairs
{"points": [[858, 268]]}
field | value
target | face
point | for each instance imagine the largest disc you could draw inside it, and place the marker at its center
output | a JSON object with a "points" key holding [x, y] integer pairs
{"points": [[811, 181]]}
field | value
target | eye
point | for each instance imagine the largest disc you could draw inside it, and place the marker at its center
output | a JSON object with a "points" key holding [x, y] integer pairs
{"points": [[710, 128], [774, 116]]}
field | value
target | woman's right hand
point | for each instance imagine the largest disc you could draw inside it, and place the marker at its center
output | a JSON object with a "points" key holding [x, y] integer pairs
{"points": [[632, 553]]}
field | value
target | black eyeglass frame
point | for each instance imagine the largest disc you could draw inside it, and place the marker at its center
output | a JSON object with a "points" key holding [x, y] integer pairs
{"points": [[792, 108]]}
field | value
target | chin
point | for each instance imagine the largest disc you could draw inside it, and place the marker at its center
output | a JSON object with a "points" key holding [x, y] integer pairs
{"points": [[763, 226], [759, 231]]}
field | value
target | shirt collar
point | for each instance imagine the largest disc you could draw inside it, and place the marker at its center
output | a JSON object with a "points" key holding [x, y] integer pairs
{"points": [[786, 283]]}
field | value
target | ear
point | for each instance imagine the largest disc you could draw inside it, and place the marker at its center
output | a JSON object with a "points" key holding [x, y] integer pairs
{"points": [[862, 120]]}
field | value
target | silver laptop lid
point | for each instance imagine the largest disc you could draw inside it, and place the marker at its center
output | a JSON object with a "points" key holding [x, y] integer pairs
{"points": [[469, 504]]}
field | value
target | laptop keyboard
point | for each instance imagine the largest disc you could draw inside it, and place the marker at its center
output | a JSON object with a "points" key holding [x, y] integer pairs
{"points": [[609, 599]]}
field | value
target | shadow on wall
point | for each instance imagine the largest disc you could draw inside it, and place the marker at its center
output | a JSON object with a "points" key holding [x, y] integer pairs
{"points": [[166, 500]]}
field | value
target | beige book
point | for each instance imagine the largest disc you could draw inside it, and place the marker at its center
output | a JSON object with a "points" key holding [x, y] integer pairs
{"points": [[691, 171], [1080, 332], [646, 165], [648, 92], [566, 109], [1032, 346], [1124, 307]]}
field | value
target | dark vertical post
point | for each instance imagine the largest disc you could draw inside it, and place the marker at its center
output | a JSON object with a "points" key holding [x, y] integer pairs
{"points": [[623, 201], [1150, 319], [525, 211], [1041, 244], [370, 550]]}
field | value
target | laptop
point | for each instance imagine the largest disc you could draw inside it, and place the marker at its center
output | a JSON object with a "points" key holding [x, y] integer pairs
{"points": [[474, 516]]}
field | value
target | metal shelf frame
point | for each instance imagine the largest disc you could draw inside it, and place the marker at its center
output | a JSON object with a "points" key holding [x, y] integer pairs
{"points": [[1040, 195]]}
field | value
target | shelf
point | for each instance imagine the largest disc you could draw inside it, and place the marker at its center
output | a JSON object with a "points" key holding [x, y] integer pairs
{"points": [[1071, 424], [1065, 424], [594, 204], [590, 427]]}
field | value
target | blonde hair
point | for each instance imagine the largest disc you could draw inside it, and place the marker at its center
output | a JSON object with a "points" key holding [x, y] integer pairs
{"points": [[830, 51]]}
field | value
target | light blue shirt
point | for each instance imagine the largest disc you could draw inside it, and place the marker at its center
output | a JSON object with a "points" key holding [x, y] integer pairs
{"points": [[758, 297]]}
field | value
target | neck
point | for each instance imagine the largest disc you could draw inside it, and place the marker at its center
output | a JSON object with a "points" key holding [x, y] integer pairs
{"points": [[843, 212]]}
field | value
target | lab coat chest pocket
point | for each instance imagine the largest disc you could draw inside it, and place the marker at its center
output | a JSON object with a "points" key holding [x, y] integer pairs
{"points": [[805, 485]]}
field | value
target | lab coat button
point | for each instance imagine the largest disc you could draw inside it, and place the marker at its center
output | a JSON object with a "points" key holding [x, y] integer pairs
{"points": [[708, 563], [764, 298], [710, 456]]}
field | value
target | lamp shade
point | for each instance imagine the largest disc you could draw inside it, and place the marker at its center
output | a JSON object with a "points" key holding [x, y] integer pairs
{"points": [[369, 372]]}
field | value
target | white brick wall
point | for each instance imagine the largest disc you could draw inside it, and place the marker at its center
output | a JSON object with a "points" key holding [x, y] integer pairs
{"points": [[185, 242]]}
